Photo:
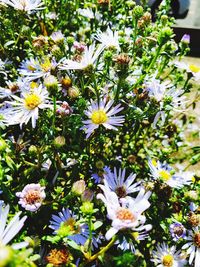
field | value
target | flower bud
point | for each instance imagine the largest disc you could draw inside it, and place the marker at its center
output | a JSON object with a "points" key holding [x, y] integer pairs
{"points": [[3, 145], [138, 11], [70, 40], [73, 92], [64, 109], [194, 219], [87, 195], [186, 39], [87, 208], [51, 84], [66, 82], [59, 141], [32, 150], [6, 254], [99, 164], [78, 187], [192, 195]]}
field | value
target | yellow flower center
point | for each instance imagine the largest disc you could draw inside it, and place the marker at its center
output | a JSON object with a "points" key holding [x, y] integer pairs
{"points": [[194, 68], [46, 65], [125, 214], [33, 85], [99, 117], [165, 175], [154, 162], [32, 101], [168, 260]]}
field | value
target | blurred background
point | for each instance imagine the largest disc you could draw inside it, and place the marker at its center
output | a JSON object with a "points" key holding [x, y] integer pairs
{"points": [[190, 25]]}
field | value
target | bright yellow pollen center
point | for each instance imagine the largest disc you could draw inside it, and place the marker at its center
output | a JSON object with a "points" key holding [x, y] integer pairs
{"points": [[165, 175], [99, 117], [32, 101], [194, 68], [154, 162], [125, 214], [33, 85], [168, 260], [46, 66]]}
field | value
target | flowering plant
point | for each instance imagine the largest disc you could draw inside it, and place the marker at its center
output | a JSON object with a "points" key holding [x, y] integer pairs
{"points": [[98, 136]]}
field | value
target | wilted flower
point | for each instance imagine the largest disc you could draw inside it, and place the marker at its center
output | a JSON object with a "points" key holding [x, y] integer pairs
{"points": [[166, 256], [177, 231], [64, 109], [31, 197], [58, 257], [102, 114]]}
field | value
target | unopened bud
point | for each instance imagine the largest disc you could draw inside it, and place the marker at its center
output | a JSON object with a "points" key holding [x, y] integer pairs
{"points": [[78, 187]]}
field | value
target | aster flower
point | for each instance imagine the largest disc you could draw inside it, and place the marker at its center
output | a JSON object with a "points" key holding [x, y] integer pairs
{"points": [[190, 68], [177, 231], [122, 187], [108, 39], [88, 59], [31, 197], [193, 246], [102, 114], [57, 37], [99, 176], [166, 256], [164, 91], [25, 108], [33, 69], [7, 233], [65, 225], [28, 6], [126, 213], [163, 172]]}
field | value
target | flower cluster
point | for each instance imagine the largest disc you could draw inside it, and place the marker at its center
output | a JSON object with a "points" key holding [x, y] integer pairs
{"points": [[99, 152]]}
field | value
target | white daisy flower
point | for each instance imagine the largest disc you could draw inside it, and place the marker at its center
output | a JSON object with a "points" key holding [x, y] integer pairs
{"points": [[89, 57], [102, 114], [163, 172], [190, 68], [31, 197], [193, 246], [7, 233], [166, 256], [119, 184], [25, 108], [28, 6], [108, 39], [33, 69], [161, 91], [126, 214], [57, 37], [89, 13]]}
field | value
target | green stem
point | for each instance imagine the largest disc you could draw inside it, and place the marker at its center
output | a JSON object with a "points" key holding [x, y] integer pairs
{"points": [[54, 115], [102, 251]]}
